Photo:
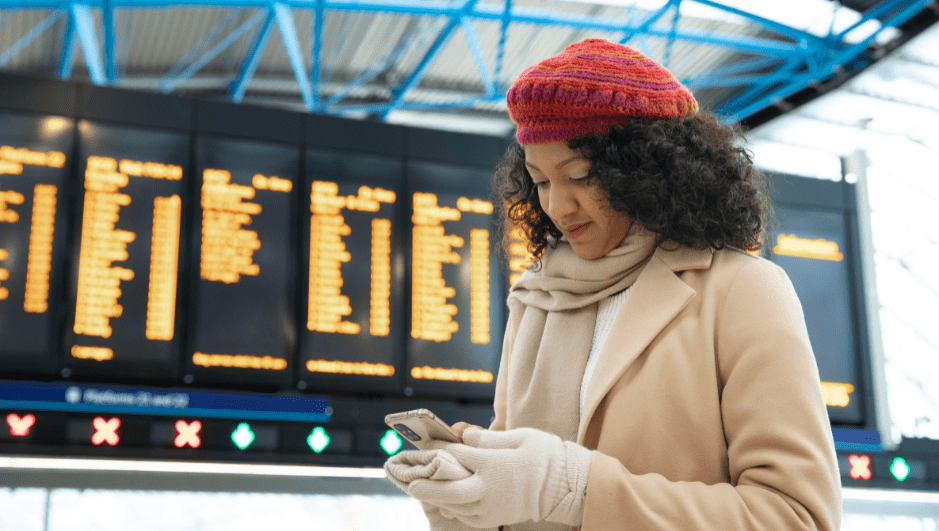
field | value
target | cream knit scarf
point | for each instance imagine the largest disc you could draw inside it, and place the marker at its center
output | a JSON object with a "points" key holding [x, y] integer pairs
{"points": [[553, 311]]}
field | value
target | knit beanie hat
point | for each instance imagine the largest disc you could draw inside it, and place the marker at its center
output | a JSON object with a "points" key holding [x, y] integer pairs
{"points": [[589, 87]]}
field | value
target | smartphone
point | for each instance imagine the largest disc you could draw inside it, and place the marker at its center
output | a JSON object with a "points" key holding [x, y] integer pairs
{"points": [[420, 426]]}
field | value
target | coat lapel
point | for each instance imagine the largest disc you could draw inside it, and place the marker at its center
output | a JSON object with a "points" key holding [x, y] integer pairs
{"points": [[655, 299]]}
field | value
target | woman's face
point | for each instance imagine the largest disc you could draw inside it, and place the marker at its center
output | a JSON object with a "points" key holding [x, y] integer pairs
{"points": [[580, 210]]}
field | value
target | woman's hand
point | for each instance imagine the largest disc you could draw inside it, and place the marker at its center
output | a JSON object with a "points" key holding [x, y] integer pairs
{"points": [[433, 465], [516, 476]]}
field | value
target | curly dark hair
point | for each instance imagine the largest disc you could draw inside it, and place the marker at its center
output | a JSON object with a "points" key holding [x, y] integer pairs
{"points": [[686, 179]]}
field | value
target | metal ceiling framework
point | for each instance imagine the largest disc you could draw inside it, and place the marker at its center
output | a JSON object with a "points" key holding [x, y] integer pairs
{"points": [[778, 63]]}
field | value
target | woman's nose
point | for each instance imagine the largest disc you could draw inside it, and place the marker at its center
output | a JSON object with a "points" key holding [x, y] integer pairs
{"points": [[560, 202]]}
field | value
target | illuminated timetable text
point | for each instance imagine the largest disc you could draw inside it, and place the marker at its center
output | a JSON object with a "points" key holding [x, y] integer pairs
{"points": [[327, 305], [380, 296], [519, 257], [7, 197], [820, 249], [12, 159], [164, 257], [227, 248], [837, 394], [39, 258], [432, 316], [101, 245]]}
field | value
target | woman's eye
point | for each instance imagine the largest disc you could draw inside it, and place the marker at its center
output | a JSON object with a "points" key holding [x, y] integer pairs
{"points": [[581, 180], [541, 184]]}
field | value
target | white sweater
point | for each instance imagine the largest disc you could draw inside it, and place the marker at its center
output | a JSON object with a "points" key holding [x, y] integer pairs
{"points": [[606, 314]]}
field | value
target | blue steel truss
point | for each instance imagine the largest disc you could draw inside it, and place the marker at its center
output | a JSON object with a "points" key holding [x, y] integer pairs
{"points": [[778, 68]]}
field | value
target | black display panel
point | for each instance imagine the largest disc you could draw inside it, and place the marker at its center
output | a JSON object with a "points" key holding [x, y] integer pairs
{"points": [[35, 154], [353, 271], [456, 310], [242, 316], [125, 266], [810, 245]]}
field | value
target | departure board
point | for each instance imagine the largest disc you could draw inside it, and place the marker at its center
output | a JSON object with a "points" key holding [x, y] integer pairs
{"points": [[810, 246], [125, 264], [456, 291], [34, 156], [519, 258], [243, 309], [354, 267], [188, 279]]}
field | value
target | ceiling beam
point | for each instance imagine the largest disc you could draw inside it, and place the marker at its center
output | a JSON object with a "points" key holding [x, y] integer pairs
{"points": [[318, 24], [288, 35], [88, 39], [250, 64], [418, 74], [107, 21], [67, 53]]}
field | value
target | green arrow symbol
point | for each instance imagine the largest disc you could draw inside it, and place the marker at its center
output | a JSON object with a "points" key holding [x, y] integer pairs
{"points": [[900, 469], [318, 439], [391, 443], [243, 436]]}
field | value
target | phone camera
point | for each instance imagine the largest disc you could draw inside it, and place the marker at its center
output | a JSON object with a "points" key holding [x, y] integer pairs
{"points": [[408, 433]]}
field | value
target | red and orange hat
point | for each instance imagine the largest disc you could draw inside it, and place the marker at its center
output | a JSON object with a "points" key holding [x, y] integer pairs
{"points": [[589, 87]]}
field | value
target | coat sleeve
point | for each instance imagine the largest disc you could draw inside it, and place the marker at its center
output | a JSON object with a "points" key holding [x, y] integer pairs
{"points": [[782, 464]]}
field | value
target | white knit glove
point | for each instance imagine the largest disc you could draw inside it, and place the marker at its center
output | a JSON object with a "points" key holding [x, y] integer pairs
{"points": [[430, 465], [439, 522], [517, 476]]}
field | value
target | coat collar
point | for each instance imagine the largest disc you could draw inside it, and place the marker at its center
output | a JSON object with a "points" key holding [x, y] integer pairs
{"points": [[654, 300]]}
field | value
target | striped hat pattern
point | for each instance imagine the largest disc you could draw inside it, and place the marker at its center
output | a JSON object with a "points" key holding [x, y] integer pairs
{"points": [[589, 87]]}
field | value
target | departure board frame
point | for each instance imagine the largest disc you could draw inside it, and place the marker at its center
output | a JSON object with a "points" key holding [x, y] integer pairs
{"points": [[427, 161], [35, 219], [455, 282], [125, 275], [245, 245], [352, 315]]}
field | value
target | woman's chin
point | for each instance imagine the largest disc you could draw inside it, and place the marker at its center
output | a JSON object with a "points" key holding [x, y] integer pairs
{"points": [[587, 252]]}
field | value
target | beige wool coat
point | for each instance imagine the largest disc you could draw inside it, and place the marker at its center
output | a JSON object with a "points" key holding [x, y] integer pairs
{"points": [[705, 409]]}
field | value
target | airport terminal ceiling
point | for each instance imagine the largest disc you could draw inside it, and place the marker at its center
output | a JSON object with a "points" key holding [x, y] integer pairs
{"points": [[447, 64]]}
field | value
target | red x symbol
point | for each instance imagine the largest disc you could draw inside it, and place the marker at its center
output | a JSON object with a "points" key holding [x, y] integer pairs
{"points": [[859, 466], [106, 431], [19, 427], [188, 434]]}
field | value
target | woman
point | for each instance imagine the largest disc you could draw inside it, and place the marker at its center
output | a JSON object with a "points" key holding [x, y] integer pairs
{"points": [[654, 375]]}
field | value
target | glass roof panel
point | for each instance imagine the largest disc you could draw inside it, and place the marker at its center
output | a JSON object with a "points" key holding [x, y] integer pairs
{"points": [[796, 160], [812, 133], [923, 47], [900, 80], [818, 17]]}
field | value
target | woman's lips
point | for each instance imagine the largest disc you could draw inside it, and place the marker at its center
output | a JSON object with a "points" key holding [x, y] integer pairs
{"points": [[576, 230]]}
